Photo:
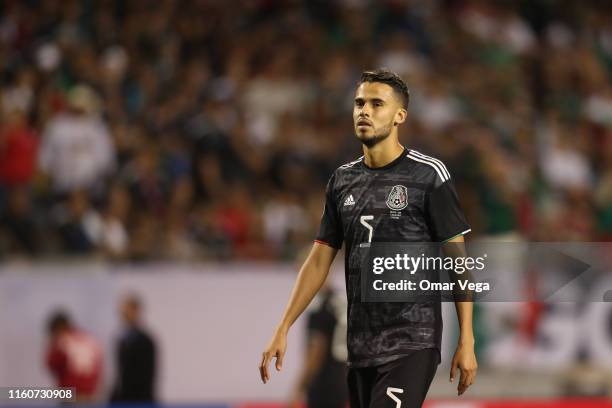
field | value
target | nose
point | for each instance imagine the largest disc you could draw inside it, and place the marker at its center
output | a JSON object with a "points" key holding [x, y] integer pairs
{"points": [[364, 111]]}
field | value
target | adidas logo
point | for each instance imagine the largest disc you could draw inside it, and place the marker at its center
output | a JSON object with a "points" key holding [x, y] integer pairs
{"points": [[349, 200]]}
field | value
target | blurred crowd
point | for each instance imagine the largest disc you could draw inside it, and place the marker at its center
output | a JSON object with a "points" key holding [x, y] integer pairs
{"points": [[147, 130]]}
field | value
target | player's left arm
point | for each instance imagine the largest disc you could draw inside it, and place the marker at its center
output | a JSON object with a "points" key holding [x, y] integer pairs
{"points": [[465, 357]]}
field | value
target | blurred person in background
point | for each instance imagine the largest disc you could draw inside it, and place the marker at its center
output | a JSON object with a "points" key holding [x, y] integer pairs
{"points": [[136, 356], [73, 218], [18, 230], [74, 357], [76, 149], [107, 229], [322, 380], [18, 152], [18, 149]]}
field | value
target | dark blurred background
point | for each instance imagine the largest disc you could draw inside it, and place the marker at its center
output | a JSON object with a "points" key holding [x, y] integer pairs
{"points": [[148, 130], [176, 132]]}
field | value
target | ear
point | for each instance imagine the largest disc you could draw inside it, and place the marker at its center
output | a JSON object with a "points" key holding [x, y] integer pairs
{"points": [[400, 117]]}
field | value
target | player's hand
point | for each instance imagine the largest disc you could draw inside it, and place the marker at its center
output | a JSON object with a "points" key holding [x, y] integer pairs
{"points": [[464, 360], [276, 348]]}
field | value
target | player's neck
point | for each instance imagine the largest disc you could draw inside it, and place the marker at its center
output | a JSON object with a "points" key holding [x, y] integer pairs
{"points": [[382, 153]]}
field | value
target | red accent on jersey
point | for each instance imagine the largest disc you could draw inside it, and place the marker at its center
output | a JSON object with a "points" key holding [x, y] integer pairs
{"points": [[324, 243]]}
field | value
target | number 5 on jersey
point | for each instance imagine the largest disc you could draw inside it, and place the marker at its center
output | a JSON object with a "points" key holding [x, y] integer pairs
{"points": [[364, 221], [391, 393]]}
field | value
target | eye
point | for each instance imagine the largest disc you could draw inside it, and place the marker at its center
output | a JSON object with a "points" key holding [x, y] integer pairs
{"points": [[359, 103], [378, 103]]}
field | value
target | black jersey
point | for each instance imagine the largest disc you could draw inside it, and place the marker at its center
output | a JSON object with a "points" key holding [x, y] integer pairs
{"points": [[411, 199]]}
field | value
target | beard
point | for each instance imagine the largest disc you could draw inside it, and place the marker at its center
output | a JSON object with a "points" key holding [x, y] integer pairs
{"points": [[378, 136]]}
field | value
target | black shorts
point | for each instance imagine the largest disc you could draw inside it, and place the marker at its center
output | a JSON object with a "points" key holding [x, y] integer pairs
{"points": [[402, 383]]}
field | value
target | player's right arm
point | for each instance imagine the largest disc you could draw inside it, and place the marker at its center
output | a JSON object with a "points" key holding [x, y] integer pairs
{"points": [[313, 273]]}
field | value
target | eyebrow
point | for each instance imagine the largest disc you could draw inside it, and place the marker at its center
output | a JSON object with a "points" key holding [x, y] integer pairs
{"points": [[360, 99]]}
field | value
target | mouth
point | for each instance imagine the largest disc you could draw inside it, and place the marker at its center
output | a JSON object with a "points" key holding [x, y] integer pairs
{"points": [[363, 123]]}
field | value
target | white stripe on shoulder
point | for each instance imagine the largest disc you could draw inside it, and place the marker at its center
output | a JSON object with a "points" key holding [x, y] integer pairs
{"points": [[351, 164], [436, 168], [442, 166]]}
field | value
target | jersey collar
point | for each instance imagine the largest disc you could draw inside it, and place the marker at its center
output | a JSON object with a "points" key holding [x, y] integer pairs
{"points": [[389, 165]]}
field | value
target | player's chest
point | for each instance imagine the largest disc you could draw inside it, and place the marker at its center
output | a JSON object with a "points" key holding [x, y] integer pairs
{"points": [[385, 196]]}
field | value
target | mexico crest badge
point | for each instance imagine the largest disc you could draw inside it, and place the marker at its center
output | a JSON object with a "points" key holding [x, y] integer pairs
{"points": [[398, 198]]}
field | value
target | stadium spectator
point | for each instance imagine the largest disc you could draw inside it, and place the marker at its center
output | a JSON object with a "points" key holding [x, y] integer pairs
{"points": [[106, 230], [18, 148], [76, 149], [75, 223], [17, 224]]}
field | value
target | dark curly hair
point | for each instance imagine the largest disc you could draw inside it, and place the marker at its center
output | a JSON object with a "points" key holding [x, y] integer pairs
{"points": [[386, 76], [58, 320]]}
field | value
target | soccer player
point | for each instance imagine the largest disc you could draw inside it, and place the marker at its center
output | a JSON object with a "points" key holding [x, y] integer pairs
{"points": [[390, 194]]}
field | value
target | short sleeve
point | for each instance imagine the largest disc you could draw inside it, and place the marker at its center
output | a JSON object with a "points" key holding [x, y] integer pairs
{"points": [[446, 219], [330, 230]]}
